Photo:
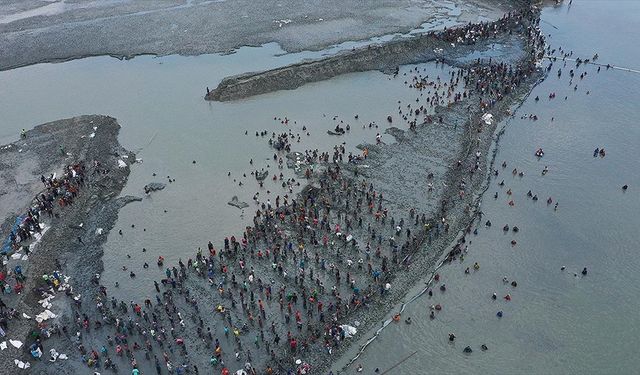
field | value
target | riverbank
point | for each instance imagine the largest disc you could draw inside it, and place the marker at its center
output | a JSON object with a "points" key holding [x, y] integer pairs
{"points": [[70, 239], [384, 57]]}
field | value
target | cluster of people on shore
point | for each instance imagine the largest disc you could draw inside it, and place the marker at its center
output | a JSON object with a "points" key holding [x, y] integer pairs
{"points": [[473, 32], [59, 191]]}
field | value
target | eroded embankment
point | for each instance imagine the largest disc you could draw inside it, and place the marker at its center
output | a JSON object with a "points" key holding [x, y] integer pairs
{"points": [[375, 57], [449, 46]]}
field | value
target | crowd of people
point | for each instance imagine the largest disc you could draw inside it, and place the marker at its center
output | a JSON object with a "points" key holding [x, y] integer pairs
{"points": [[280, 294]]}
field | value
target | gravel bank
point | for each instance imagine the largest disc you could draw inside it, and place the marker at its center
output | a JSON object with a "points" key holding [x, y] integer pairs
{"points": [[72, 243]]}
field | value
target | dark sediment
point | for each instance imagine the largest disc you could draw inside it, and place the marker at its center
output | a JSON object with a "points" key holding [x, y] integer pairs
{"points": [[236, 203]]}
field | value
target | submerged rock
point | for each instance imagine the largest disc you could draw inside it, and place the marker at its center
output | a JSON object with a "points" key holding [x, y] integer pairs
{"points": [[154, 186], [236, 203], [260, 176]]}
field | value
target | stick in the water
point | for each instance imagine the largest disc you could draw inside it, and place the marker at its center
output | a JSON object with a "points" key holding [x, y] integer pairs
{"points": [[148, 143], [399, 363]]}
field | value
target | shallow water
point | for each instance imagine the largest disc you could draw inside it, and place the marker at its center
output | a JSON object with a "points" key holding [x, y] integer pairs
{"points": [[556, 323]]}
